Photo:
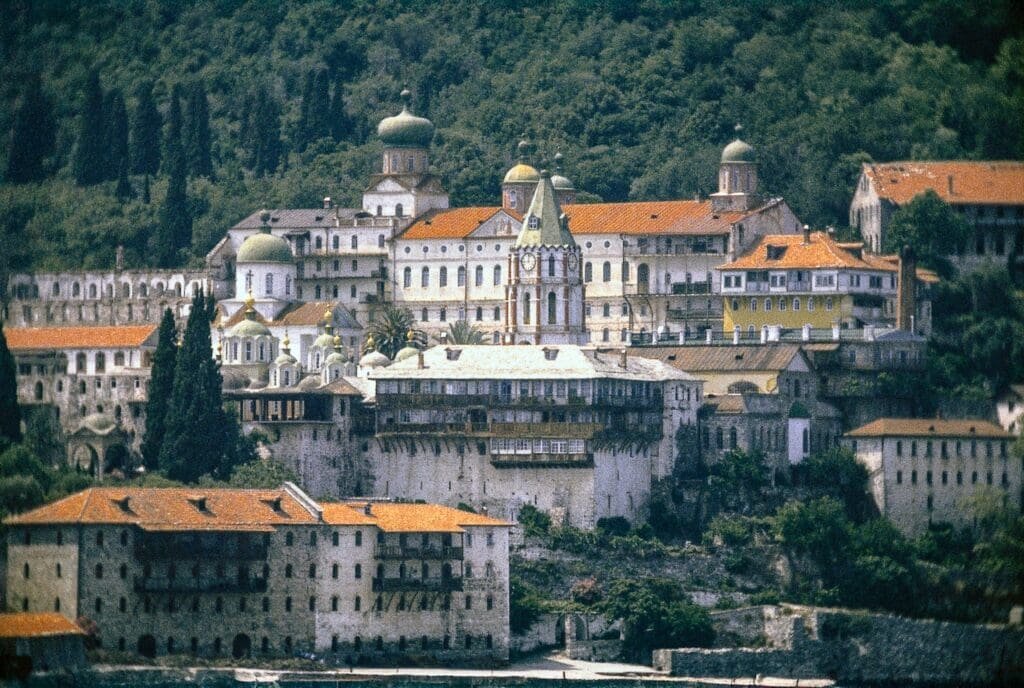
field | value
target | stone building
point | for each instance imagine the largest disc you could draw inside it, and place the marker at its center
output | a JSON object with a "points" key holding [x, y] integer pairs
{"points": [[93, 297], [44, 641], [924, 471], [239, 573], [576, 431], [989, 195], [89, 381]]}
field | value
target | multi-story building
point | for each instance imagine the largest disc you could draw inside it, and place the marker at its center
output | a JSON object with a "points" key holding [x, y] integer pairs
{"points": [[239, 573], [579, 432], [811, 280], [989, 195], [924, 471], [91, 382]]}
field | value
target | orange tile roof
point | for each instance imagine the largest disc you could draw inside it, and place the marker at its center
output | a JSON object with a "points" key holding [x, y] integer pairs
{"points": [[640, 217], [171, 509], [650, 217], [35, 625], [33, 338], [308, 313], [821, 252], [393, 517], [930, 427], [972, 182], [454, 223]]}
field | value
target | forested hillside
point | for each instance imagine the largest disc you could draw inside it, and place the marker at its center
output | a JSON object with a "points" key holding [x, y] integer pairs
{"points": [[266, 103]]}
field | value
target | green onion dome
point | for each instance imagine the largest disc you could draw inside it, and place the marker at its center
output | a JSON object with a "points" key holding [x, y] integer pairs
{"points": [[406, 130]]}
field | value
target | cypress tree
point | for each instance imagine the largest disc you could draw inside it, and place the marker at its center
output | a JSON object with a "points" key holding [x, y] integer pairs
{"points": [[123, 190], [89, 155], [145, 190], [146, 125], [196, 438], [173, 154], [10, 412], [32, 136], [341, 127], [267, 153], [174, 228], [161, 384], [197, 133], [115, 140], [302, 135], [320, 107]]}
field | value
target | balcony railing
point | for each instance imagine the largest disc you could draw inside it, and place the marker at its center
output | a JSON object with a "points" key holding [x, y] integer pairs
{"points": [[417, 584], [193, 585], [585, 460], [221, 549], [442, 552], [691, 287]]}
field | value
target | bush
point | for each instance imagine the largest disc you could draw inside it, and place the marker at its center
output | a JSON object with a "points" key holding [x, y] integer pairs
{"points": [[525, 605], [729, 530], [586, 592], [613, 525], [534, 521], [656, 612]]}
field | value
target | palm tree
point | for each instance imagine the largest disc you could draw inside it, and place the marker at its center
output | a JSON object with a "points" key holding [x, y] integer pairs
{"points": [[390, 330], [462, 332]]}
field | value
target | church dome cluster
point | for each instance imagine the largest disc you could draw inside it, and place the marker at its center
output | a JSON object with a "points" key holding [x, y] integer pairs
{"points": [[405, 130]]}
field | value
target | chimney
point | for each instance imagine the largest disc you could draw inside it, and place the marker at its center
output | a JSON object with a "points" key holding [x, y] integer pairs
{"points": [[199, 503], [419, 360], [906, 292], [807, 235], [328, 203], [949, 184], [735, 334], [682, 336], [368, 509], [622, 358], [124, 503]]}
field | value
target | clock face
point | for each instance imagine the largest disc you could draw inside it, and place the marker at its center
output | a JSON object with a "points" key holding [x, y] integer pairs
{"points": [[528, 262]]}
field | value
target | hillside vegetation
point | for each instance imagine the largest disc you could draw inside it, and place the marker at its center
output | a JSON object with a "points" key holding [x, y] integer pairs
{"points": [[275, 103]]}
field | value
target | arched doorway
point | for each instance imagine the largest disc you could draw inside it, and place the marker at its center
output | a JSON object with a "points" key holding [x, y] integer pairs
{"points": [[241, 647], [147, 646], [115, 458], [84, 457], [643, 279]]}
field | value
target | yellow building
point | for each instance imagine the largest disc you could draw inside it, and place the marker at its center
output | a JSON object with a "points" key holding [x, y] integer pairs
{"points": [[792, 281]]}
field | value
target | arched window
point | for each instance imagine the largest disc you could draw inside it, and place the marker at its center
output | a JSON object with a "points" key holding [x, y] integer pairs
{"points": [[526, 308], [625, 271], [552, 308], [461, 279], [479, 276], [101, 362], [732, 438], [56, 288], [606, 272], [380, 210], [497, 313], [318, 291], [719, 438], [398, 210], [497, 275], [380, 241], [336, 242], [319, 243], [76, 289], [443, 314], [425, 277], [442, 277], [588, 272], [407, 278], [269, 284], [551, 266], [92, 291]]}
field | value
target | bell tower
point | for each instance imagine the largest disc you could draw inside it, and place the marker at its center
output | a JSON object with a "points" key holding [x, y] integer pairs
{"points": [[544, 294]]}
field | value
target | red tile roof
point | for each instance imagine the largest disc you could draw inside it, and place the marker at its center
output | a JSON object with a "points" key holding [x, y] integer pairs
{"points": [[456, 223], [36, 625], [642, 217], [172, 509], [391, 517], [821, 252], [972, 182], [35, 338], [930, 427]]}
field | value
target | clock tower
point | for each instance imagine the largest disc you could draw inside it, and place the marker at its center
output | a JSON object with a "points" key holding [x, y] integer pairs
{"points": [[544, 294]]}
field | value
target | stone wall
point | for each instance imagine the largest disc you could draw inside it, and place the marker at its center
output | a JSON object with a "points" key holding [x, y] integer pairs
{"points": [[853, 647], [593, 638], [546, 632]]}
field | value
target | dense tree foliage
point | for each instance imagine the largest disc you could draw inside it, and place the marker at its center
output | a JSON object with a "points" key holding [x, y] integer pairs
{"points": [[90, 155], [10, 411], [32, 134], [639, 96], [656, 613], [161, 385], [146, 127], [931, 228]]}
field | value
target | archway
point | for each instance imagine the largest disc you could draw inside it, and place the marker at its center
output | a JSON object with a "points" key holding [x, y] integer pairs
{"points": [[115, 458], [147, 646], [643, 278], [85, 457], [241, 647]]}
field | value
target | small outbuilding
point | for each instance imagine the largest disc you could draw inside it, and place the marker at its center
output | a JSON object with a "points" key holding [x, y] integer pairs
{"points": [[39, 642]]}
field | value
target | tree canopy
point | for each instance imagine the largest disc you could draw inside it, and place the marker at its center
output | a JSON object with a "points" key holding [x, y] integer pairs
{"points": [[931, 228]]}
